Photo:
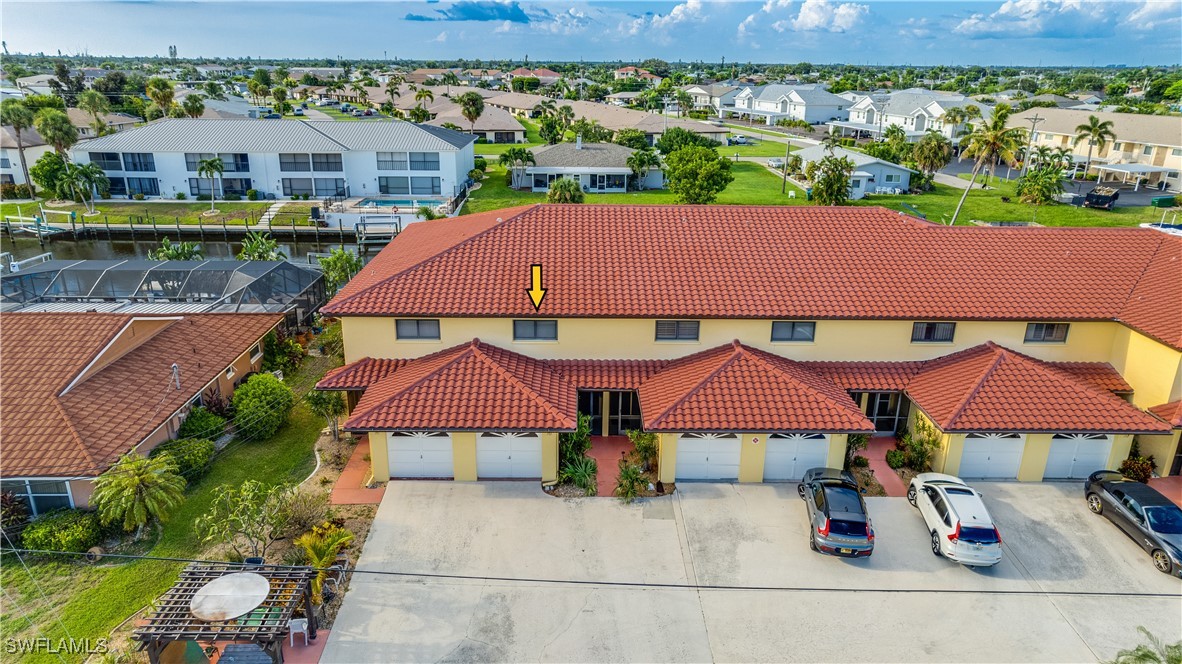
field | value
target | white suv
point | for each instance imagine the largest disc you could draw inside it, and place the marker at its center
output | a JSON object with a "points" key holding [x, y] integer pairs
{"points": [[958, 523]]}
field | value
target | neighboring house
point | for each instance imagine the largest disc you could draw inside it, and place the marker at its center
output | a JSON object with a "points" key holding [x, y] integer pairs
{"points": [[82, 389], [914, 110], [636, 73], [869, 176], [114, 122], [1146, 146], [598, 167], [284, 159], [1058, 100], [811, 104], [755, 340], [624, 98], [612, 117], [1088, 96], [544, 76], [716, 98], [322, 73], [495, 125], [37, 84], [10, 158]]}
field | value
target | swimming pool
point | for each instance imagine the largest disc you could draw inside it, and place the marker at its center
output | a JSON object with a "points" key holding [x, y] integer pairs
{"points": [[399, 202]]}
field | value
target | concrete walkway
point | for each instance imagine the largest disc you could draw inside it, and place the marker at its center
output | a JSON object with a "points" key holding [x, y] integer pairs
{"points": [[952, 181], [350, 488], [876, 451], [270, 213]]}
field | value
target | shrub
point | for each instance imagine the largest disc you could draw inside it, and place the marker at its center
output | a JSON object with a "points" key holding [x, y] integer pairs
{"points": [[919, 445], [304, 510], [202, 423], [9, 190], [854, 443], [180, 195], [231, 197], [1137, 468], [476, 175], [859, 461], [138, 197], [895, 458], [192, 455], [204, 197], [581, 472], [13, 510], [63, 530], [645, 443], [573, 445], [284, 355], [261, 406], [480, 163], [252, 194], [630, 483]]}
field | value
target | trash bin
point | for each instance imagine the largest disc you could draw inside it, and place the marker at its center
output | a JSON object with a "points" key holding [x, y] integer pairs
{"points": [[808, 194], [315, 213], [1161, 201]]}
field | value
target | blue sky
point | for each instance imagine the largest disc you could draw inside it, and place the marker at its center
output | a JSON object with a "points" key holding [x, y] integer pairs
{"points": [[1048, 32]]}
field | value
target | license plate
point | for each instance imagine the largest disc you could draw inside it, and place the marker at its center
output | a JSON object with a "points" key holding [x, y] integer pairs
{"points": [[845, 550]]}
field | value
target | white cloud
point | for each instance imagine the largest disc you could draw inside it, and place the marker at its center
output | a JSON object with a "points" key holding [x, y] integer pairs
{"points": [[1060, 19], [1152, 14], [749, 24], [441, 37], [504, 27], [827, 16], [658, 25]]}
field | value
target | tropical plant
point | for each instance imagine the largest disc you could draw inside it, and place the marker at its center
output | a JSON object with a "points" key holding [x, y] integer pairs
{"points": [[14, 511], [987, 143], [895, 458], [137, 490], [95, 103], [932, 152], [191, 455], [471, 107], [573, 445], [517, 159], [630, 482], [260, 247], [581, 472], [894, 134], [422, 96], [677, 138], [1155, 651], [322, 544], [212, 168], [697, 174], [831, 182], [545, 108], [590, 131], [1097, 133], [632, 138], [449, 79], [193, 105], [248, 517], [160, 91], [392, 84], [646, 447], [304, 509], [565, 190], [56, 129], [684, 102], [1137, 468], [47, 172], [15, 114], [329, 405], [63, 530], [1039, 186], [641, 162], [181, 251], [919, 445], [339, 267], [261, 406], [855, 443]]}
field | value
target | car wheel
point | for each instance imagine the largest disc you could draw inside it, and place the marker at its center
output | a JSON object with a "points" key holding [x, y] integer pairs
{"points": [[911, 495], [812, 542], [800, 491], [1095, 504], [936, 545], [1162, 561]]}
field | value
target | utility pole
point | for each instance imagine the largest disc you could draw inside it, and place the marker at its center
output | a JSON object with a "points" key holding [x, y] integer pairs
{"points": [[784, 167], [1033, 120]]}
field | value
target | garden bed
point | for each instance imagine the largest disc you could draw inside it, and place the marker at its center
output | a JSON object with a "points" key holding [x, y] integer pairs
{"points": [[871, 487]]}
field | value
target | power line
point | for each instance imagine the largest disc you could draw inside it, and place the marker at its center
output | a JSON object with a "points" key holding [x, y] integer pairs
{"points": [[28, 620], [40, 590]]}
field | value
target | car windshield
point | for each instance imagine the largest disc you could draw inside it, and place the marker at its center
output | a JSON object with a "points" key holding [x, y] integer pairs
{"points": [[854, 528], [978, 535], [1165, 520]]}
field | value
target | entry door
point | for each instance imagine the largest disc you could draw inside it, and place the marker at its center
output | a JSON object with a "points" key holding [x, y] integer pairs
{"points": [[623, 412], [420, 454], [1077, 455], [886, 409], [708, 456], [600, 181], [992, 456], [508, 455], [788, 456]]}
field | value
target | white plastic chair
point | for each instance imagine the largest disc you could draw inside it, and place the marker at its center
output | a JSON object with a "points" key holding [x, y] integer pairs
{"points": [[299, 625], [791, 194]]}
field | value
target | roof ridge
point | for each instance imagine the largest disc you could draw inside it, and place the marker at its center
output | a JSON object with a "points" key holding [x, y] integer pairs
{"points": [[477, 350], [779, 370], [74, 434], [440, 253], [344, 147], [998, 357], [691, 392]]}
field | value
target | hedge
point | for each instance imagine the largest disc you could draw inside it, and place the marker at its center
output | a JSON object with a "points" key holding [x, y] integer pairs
{"points": [[191, 455], [63, 530]]}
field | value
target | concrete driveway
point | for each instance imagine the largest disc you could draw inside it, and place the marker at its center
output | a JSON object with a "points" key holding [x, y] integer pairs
{"points": [[522, 576]]}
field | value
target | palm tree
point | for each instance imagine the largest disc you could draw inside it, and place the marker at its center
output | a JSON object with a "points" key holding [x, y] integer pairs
{"points": [[211, 168], [684, 102], [94, 179], [990, 142], [321, 546], [181, 251], [471, 106], [450, 79], [830, 141], [423, 96], [359, 90], [961, 114], [894, 134], [565, 116], [392, 87], [56, 129], [95, 103], [193, 105], [160, 91], [1156, 652], [1041, 156], [14, 113], [517, 159], [641, 162], [1062, 157], [260, 247], [138, 489], [545, 107], [932, 152], [1096, 133]]}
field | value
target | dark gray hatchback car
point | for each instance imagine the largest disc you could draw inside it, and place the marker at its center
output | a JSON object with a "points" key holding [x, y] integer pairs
{"points": [[838, 523], [1145, 515]]}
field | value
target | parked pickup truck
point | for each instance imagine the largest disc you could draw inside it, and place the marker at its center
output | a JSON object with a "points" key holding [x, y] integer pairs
{"points": [[1103, 198]]}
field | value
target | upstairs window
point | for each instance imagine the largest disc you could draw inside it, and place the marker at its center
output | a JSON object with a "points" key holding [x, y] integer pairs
{"points": [[139, 161], [1046, 333], [392, 161], [424, 161], [327, 162], [677, 330], [932, 332], [793, 330], [295, 162], [108, 161], [412, 328], [535, 330]]}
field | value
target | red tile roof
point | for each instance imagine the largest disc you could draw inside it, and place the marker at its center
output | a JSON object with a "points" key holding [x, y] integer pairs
{"points": [[474, 386], [82, 432], [360, 374], [1100, 374], [730, 262], [991, 388], [886, 376], [1171, 413], [607, 374], [737, 388]]}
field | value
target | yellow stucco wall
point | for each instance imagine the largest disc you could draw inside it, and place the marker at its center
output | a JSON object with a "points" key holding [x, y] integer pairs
{"points": [[837, 444], [81, 490], [1162, 448], [1034, 457], [463, 455], [1152, 368], [751, 456], [549, 457], [379, 459], [667, 457], [1120, 450]]}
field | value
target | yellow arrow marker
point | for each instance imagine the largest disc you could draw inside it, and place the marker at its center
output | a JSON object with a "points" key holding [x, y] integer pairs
{"points": [[535, 290]]}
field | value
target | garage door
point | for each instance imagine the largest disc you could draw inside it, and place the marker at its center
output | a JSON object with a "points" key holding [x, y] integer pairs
{"points": [[420, 454], [1077, 455], [708, 456], [994, 456], [790, 455], [501, 455]]}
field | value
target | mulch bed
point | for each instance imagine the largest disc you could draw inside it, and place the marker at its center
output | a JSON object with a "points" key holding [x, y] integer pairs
{"points": [[868, 482]]}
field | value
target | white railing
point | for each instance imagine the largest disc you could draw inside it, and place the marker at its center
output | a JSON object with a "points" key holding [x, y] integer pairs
{"points": [[17, 266]]}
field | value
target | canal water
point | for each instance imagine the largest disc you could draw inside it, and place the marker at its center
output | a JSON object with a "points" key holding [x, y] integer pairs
{"points": [[69, 249]]}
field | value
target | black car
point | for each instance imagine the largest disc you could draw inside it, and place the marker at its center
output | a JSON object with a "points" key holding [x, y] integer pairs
{"points": [[1151, 519], [838, 524]]}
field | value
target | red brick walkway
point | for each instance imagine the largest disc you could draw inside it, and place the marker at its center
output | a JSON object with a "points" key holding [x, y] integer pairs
{"points": [[876, 451], [350, 487], [607, 452], [1170, 487], [305, 654]]}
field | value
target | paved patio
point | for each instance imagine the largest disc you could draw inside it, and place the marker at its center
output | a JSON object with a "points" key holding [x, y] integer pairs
{"points": [[350, 488], [1170, 487], [607, 452]]}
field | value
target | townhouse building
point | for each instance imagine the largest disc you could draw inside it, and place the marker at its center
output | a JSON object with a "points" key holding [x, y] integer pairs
{"points": [[281, 159], [715, 98], [1032, 353], [915, 110], [10, 158], [810, 103]]}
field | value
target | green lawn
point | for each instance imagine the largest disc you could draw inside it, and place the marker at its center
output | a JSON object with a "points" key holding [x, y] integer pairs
{"points": [[90, 601], [533, 139], [760, 148], [117, 212]]}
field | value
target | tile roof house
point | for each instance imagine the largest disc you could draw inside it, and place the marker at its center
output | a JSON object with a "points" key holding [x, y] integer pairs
{"points": [[82, 389], [598, 167], [495, 125], [754, 341]]}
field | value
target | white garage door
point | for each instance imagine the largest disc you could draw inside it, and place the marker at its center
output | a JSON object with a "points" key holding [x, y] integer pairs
{"points": [[994, 456], [708, 456], [1077, 455], [420, 454], [790, 455], [508, 455]]}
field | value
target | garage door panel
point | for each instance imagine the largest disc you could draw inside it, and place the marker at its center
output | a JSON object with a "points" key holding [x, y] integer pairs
{"points": [[789, 456], [991, 456], [507, 455], [1075, 456], [708, 457], [420, 455]]}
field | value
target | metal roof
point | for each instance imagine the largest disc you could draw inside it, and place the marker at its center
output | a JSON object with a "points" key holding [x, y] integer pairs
{"points": [[391, 135]]}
